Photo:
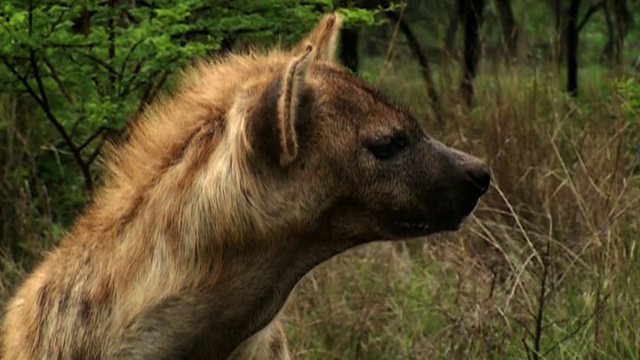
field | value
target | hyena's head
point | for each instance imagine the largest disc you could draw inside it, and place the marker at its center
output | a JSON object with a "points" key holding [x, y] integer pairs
{"points": [[366, 168]]}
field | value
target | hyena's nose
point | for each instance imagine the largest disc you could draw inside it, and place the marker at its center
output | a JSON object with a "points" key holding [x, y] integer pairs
{"points": [[481, 177]]}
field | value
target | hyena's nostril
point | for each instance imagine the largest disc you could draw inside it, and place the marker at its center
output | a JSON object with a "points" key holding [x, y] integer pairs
{"points": [[481, 177]]}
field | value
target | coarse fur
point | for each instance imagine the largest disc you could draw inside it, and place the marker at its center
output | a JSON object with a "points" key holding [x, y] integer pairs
{"points": [[225, 194]]}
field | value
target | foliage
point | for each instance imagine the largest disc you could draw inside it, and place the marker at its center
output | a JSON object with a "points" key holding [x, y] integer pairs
{"points": [[92, 66], [629, 92]]}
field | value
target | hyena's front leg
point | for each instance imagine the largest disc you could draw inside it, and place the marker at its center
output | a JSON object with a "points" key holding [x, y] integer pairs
{"points": [[166, 330], [268, 344], [174, 329]]}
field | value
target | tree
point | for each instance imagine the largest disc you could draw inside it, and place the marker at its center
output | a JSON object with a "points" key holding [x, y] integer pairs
{"points": [[618, 26], [510, 29], [470, 13], [349, 41], [91, 66], [452, 28], [349, 53], [572, 32], [423, 61]]}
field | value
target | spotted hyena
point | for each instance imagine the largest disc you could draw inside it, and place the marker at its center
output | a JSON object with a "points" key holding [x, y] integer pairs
{"points": [[260, 167]]}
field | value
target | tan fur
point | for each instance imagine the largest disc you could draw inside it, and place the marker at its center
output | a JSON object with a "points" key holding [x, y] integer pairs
{"points": [[324, 37], [225, 195]]}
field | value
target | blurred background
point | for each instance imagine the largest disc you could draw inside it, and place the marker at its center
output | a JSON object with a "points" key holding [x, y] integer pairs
{"points": [[548, 92]]}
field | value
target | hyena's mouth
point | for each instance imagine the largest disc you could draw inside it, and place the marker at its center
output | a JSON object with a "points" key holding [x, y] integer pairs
{"points": [[410, 225], [404, 228]]}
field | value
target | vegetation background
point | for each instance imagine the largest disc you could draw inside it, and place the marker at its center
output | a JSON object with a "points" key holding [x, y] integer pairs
{"points": [[547, 91]]}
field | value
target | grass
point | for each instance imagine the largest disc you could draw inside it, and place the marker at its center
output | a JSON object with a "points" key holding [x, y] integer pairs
{"points": [[545, 269]]}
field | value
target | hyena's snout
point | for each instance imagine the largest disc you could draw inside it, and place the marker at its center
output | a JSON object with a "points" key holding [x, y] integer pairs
{"points": [[469, 179], [446, 184], [479, 177]]}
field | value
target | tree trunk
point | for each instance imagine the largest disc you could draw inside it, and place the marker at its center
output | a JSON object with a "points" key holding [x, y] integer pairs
{"points": [[471, 16], [559, 41], [509, 29], [623, 20], [572, 47], [423, 61], [349, 48], [111, 31], [608, 52], [557, 11], [452, 29]]}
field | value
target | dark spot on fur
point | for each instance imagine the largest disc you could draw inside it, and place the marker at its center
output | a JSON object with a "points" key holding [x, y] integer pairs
{"points": [[203, 136], [84, 310], [63, 300], [44, 295], [276, 345]]}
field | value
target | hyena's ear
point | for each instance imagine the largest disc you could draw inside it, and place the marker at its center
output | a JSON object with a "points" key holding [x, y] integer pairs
{"points": [[275, 121], [323, 38], [293, 83]]}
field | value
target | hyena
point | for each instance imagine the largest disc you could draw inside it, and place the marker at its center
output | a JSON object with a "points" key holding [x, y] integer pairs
{"points": [[225, 194]]}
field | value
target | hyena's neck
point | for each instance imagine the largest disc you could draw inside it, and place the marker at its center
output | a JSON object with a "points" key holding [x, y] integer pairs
{"points": [[222, 255], [254, 286]]}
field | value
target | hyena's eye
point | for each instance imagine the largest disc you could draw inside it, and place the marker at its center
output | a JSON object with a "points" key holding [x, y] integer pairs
{"points": [[387, 147]]}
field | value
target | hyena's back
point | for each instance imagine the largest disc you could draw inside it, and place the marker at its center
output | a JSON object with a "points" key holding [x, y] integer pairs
{"points": [[65, 308]]}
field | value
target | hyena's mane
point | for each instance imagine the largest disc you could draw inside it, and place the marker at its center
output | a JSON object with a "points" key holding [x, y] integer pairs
{"points": [[169, 143]]}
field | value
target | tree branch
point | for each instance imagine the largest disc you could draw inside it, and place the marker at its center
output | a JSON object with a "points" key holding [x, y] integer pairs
{"points": [[72, 46], [96, 152], [57, 21], [93, 78], [76, 125], [423, 61], [131, 87], [152, 91], [24, 82], [126, 60], [44, 104], [36, 75], [124, 88], [592, 9], [92, 137], [56, 78], [108, 67], [111, 35]]}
